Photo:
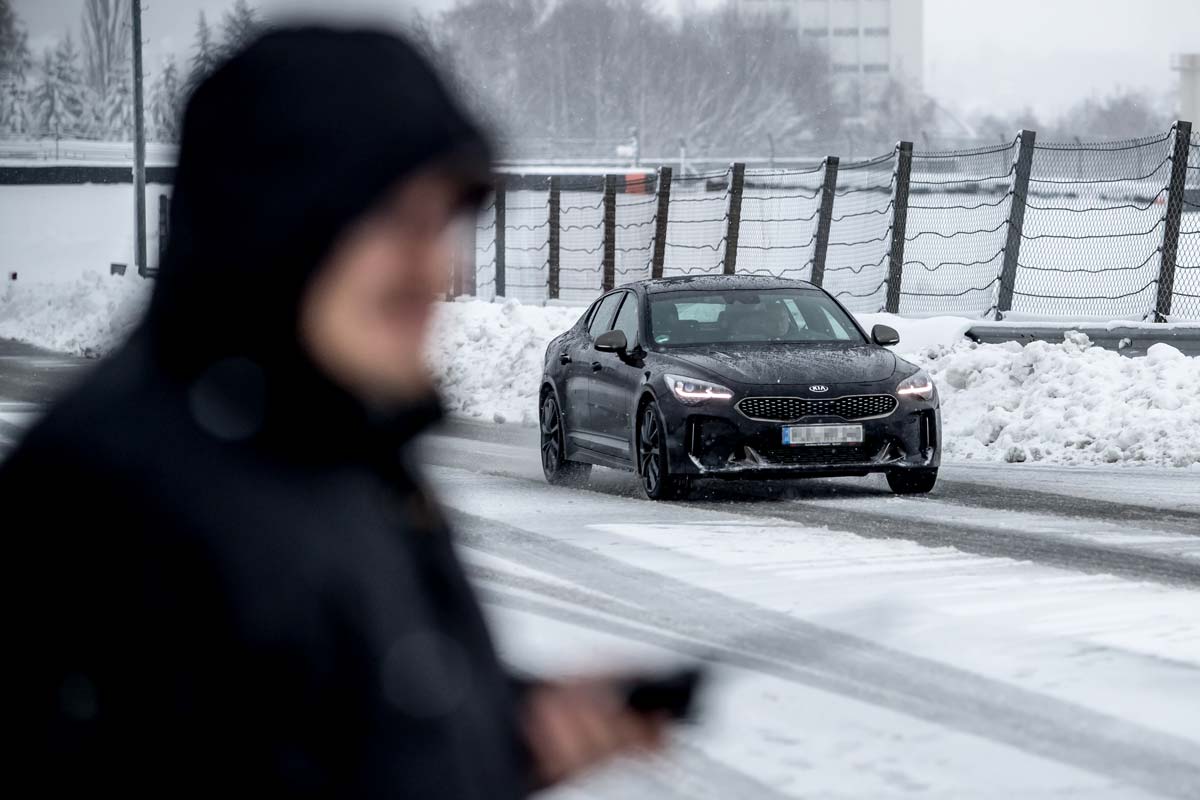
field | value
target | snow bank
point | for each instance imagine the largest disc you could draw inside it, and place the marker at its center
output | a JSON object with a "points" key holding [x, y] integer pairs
{"points": [[86, 316], [1066, 403], [489, 356]]}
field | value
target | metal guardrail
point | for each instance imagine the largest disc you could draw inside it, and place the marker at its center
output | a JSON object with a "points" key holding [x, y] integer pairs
{"points": [[1127, 340]]}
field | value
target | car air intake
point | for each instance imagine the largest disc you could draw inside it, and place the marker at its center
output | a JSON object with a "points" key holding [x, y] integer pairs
{"points": [[790, 409], [814, 456]]}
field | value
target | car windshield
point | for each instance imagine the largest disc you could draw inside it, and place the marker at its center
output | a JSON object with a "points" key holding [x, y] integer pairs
{"points": [[748, 315]]}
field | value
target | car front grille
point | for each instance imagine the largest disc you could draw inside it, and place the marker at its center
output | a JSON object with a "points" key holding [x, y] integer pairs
{"points": [[814, 455], [790, 409]]}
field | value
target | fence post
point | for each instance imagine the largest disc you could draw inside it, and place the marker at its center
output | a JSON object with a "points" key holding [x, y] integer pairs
{"points": [[899, 226], [824, 220], [610, 232], [553, 242], [660, 222], [164, 216], [734, 223], [1170, 248], [500, 225], [1016, 221], [466, 275]]}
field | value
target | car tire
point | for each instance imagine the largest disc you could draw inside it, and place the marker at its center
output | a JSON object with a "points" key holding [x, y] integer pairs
{"points": [[555, 466], [912, 481], [653, 464]]}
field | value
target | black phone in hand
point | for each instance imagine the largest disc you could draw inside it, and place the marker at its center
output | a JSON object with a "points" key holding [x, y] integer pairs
{"points": [[671, 693]]}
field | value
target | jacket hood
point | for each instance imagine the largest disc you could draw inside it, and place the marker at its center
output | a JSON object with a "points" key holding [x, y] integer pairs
{"points": [[283, 147]]}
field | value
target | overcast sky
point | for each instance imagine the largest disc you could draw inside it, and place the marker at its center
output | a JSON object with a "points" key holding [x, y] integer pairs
{"points": [[979, 54]]}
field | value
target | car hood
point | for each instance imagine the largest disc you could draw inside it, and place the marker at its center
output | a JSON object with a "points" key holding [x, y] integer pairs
{"points": [[792, 363]]}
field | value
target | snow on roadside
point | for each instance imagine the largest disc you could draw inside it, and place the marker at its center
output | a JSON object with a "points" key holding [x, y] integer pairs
{"points": [[1066, 403], [87, 316], [489, 356]]}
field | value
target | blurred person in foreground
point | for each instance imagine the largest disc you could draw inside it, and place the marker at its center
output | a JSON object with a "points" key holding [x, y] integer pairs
{"points": [[231, 579]]}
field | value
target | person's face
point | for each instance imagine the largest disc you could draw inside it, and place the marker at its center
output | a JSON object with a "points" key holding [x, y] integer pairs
{"points": [[365, 316]]}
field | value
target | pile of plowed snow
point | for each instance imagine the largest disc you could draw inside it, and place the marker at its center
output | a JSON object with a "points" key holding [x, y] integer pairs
{"points": [[86, 316], [488, 356], [1067, 403]]}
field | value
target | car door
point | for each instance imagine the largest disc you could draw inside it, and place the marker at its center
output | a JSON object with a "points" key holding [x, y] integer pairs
{"points": [[615, 381], [576, 359]]}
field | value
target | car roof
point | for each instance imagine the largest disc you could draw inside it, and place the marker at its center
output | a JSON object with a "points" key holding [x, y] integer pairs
{"points": [[718, 283]]}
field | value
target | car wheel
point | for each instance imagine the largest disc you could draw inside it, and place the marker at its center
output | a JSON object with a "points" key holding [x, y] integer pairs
{"points": [[557, 469], [912, 481], [653, 466]]}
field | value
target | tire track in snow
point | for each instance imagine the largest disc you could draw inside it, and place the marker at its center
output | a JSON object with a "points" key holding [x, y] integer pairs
{"points": [[774, 643], [982, 495], [1055, 551]]}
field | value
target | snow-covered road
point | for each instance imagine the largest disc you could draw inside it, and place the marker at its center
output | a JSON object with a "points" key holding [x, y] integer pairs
{"points": [[1025, 631], [1016, 634]]}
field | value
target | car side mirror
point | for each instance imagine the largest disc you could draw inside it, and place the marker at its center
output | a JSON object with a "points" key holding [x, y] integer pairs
{"points": [[885, 335], [612, 342]]}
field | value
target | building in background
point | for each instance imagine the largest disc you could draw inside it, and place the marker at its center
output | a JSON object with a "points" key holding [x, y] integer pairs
{"points": [[870, 42], [1188, 67]]}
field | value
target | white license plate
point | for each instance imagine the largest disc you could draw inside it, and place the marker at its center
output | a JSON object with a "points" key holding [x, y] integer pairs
{"points": [[822, 434]]}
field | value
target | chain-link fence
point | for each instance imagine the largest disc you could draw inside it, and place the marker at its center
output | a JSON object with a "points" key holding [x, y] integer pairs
{"points": [[860, 232], [1186, 304], [1027, 228], [1094, 229]]}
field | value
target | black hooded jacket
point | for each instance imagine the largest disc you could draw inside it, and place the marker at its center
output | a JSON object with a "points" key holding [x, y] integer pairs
{"points": [[228, 578]]}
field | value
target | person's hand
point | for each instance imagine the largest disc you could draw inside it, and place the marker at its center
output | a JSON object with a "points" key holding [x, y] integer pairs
{"points": [[571, 727]]}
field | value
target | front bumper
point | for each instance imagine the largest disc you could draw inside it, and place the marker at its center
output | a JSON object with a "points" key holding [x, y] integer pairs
{"points": [[720, 442]]}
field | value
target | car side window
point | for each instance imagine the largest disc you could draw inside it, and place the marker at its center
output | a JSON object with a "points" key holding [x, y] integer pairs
{"points": [[586, 319], [604, 314], [627, 319]]}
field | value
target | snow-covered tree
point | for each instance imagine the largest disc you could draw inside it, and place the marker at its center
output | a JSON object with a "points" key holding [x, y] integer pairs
{"points": [[15, 65], [118, 104], [107, 73], [106, 44], [205, 55], [166, 98], [240, 25], [15, 119], [49, 103], [58, 97], [593, 70], [14, 48]]}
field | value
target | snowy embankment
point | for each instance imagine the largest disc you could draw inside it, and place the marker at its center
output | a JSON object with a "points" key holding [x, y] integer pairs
{"points": [[1065, 403], [86, 316]]}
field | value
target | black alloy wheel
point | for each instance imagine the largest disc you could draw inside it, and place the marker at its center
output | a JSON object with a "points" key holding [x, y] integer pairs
{"points": [[653, 465], [557, 469]]}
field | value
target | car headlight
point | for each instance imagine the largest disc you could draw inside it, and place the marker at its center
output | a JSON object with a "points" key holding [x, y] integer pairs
{"points": [[916, 385], [692, 391]]}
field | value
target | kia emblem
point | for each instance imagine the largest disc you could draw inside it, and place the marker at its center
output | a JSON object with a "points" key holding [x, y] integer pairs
{"points": [[818, 388]]}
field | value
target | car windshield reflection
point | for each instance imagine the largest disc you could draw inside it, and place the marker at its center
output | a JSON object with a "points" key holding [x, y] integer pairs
{"points": [[749, 316]]}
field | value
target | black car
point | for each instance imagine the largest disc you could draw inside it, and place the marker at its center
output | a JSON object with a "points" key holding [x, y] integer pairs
{"points": [[733, 377]]}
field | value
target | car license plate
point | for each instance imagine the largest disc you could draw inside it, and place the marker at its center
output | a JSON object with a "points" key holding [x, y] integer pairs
{"points": [[822, 434]]}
